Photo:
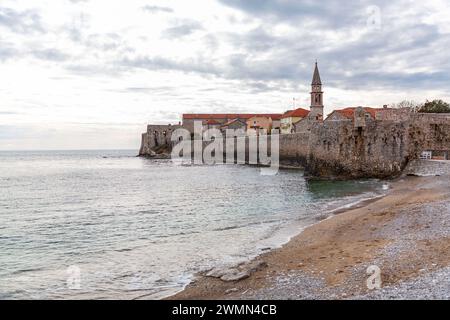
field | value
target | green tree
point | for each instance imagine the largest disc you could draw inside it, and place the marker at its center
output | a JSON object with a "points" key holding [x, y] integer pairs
{"points": [[435, 106]]}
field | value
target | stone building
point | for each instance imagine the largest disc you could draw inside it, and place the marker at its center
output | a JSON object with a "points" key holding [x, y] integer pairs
{"points": [[315, 114], [316, 96], [211, 124], [190, 118], [348, 114], [234, 124], [290, 117], [263, 123]]}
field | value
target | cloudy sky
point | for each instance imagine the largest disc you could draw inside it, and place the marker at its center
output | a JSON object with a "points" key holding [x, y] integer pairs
{"points": [[86, 74]]}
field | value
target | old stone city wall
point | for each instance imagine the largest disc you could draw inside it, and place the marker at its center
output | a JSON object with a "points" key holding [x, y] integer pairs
{"points": [[429, 132], [369, 149], [156, 136]]}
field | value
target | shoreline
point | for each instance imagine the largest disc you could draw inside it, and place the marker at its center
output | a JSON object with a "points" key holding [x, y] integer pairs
{"points": [[328, 259], [279, 233], [288, 236]]}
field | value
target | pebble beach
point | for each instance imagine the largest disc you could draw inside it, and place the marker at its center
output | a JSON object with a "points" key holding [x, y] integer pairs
{"points": [[406, 234]]}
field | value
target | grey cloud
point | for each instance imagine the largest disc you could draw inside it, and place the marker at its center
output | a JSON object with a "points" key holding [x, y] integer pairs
{"points": [[260, 40], [368, 59], [156, 9], [110, 42], [28, 21], [74, 33], [365, 61], [7, 52], [93, 69], [264, 60], [167, 115], [104, 42], [259, 86], [198, 65], [8, 112], [211, 42], [242, 66], [384, 79], [158, 90], [257, 39], [50, 55], [78, 24], [332, 13], [182, 29], [371, 60]]}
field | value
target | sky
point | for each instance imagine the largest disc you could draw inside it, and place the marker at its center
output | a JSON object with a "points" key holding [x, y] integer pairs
{"points": [[90, 74]]}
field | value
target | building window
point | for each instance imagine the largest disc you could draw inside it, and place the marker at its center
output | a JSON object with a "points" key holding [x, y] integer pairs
{"points": [[426, 155]]}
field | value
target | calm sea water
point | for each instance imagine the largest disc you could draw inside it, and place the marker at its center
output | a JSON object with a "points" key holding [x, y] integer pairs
{"points": [[105, 224]]}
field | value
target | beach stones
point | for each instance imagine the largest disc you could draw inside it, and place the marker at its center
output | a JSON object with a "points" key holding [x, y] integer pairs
{"points": [[232, 290], [217, 272], [235, 276], [237, 273]]}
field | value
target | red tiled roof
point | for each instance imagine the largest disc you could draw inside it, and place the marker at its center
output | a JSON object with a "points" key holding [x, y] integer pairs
{"points": [[230, 122], [349, 112], [297, 113], [272, 116], [212, 122], [346, 112], [207, 116], [287, 112]]}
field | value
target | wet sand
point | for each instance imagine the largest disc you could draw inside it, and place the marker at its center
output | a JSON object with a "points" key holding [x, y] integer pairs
{"points": [[406, 234]]}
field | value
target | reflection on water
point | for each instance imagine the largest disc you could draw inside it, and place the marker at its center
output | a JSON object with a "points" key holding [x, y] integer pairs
{"points": [[123, 227], [323, 189]]}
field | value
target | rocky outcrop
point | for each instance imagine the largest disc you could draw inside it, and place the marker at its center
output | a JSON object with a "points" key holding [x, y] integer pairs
{"points": [[237, 273], [156, 141]]}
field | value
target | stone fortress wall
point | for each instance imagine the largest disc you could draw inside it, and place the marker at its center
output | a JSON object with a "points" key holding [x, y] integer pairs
{"points": [[360, 148], [423, 168], [156, 136], [365, 147]]}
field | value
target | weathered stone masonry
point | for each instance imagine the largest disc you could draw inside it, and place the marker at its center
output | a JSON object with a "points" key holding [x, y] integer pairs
{"points": [[156, 137], [358, 149], [339, 149], [377, 149]]}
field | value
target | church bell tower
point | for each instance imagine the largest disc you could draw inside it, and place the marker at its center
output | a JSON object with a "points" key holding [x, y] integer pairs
{"points": [[316, 95]]}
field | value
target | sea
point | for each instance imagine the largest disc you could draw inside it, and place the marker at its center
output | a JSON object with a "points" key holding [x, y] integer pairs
{"points": [[105, 224]]}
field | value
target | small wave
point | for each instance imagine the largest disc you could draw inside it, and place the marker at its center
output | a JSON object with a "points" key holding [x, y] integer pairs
{"points": [[266, 222], [26, 270], [356, 204], [228, 228]]}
